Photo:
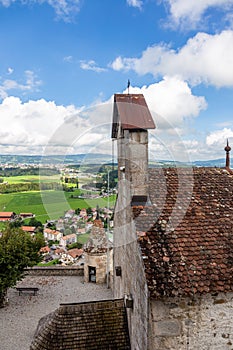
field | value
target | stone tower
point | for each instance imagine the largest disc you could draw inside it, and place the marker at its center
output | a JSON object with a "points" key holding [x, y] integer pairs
{"points": [[98, 255], [131, 121]]}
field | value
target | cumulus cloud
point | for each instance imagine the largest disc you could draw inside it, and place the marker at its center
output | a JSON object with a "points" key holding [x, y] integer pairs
{"points": [[31, 84], [91, 65], [29, 125], [43, 127], [205, 58], [219, 137], [172, 101], [64, 9], [183, 12], [35, 126]]}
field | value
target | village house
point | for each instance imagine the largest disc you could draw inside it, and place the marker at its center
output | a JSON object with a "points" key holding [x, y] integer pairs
{"points": [[29, 229], [75, 253], [69, 214], [26, 215], [45, 250], [7, 216], [69, 239], [83, 213], [52, 235], [60, 225], [81, 231]]}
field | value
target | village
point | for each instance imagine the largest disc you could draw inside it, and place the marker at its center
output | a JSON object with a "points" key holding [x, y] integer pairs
{"points": [[62, 236]]}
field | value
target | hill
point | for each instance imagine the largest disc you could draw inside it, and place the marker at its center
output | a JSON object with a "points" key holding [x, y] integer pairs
{"points": [[92, 158]]}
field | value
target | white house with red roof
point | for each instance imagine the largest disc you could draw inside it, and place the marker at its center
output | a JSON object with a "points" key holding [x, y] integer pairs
{"points": [[69, 239], [52, 235]]}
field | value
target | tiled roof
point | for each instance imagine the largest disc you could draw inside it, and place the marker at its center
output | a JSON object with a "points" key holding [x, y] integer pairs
{"points": [[98, 241], [131, 112], [45, 249], [49, 231], [72, 235], [75, 252], [98, 325], [6, 214], [28, 228], [186, 234]]}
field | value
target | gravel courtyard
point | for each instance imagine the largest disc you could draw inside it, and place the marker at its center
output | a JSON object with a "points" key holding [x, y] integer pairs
{"points": [[19, 319]]}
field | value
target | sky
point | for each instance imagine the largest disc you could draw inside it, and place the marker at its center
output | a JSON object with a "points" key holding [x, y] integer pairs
{"points": [[61, 61]]}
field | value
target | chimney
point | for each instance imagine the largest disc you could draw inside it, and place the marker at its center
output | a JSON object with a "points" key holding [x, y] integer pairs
{"points": [[227, 149], [131, 121]]}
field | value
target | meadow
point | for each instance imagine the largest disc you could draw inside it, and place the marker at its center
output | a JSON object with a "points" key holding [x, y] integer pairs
{"points": [[48, 204], [31, 178]]}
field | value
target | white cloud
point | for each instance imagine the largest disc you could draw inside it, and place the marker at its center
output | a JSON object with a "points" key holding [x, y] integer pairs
{"points": [[10, 71], [219, 137], [42, 127], [64, 9], [204, 58], [29, 125], [172, 100], [35, 127], [135, 3], [68, 59], [31, 84], [184, 12], [91, 65]]}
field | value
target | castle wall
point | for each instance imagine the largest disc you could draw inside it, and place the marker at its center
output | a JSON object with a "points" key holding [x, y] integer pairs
{"points": [[204, 323], [55, 271], [132, 282]]}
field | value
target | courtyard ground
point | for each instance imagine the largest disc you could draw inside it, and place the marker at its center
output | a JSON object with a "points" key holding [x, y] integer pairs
{"points": [[19, 319]]}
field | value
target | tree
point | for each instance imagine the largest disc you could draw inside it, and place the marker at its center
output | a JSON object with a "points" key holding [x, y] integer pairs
{"points": [[77, 211], [35, 222], [89, 211], [18, 250]]}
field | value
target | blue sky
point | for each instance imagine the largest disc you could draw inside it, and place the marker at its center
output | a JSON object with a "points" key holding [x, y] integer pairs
{"points": [[61, 61]]}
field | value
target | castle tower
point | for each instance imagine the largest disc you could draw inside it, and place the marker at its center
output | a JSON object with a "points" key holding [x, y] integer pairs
{"points": [[131, 121], [97, 254]]}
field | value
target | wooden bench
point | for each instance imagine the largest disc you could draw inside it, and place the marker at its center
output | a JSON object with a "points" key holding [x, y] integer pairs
{"points": [[27, 289]]}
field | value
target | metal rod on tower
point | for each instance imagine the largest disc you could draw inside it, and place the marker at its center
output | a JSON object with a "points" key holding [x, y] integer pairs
{"points": [[128, 85]]}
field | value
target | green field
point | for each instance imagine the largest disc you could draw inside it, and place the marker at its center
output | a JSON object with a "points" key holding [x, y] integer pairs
{"points": [[48, 204], [31, 178]]}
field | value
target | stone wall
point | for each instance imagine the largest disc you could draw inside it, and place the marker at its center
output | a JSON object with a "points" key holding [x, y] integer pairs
{"points": [[55, 271], [132, 165], [131, 283], [204, 323], [99, 261]]}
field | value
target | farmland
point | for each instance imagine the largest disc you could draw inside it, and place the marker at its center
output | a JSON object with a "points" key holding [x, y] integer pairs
{"points": [[47, 204], [32, 179]]}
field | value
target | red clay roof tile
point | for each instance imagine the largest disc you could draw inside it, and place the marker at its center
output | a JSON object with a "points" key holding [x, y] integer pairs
{"points": [[190, 231]]}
